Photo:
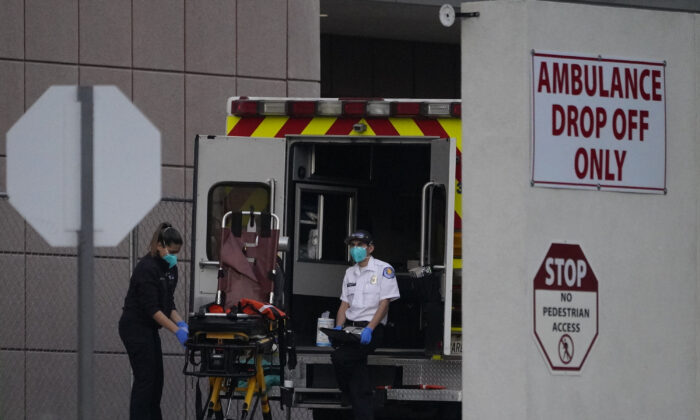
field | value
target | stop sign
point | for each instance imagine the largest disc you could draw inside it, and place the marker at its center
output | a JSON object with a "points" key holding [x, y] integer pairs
{"points": [[566, 308], [43, 165]]}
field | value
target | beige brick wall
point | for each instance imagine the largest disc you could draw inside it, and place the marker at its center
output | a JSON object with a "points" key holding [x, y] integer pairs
{"points": [[178, 61]]}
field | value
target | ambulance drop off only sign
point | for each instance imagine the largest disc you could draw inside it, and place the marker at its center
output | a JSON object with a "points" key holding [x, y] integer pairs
{"points": [[598, 123], [565, 308]]}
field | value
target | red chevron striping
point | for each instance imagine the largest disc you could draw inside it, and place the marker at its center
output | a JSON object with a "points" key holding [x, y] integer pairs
{"points": [[246, 126], [382, 127], [431, 128], [342, 126], [293, 126]]}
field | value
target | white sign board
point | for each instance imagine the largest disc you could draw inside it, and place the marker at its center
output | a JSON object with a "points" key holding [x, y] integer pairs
{"points": [[598, 123], [43, 165], [566, 308]]}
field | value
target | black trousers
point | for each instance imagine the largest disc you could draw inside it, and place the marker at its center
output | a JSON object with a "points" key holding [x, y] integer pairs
{"points": [[146, 357], [352, 373]]}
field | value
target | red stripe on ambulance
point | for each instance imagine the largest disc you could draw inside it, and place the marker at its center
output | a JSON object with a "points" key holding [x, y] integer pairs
{"points": [[293, 126], [246, 126], [342, 126]]}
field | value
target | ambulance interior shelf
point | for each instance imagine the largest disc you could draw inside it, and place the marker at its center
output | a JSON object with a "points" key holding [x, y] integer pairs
{"points": [[379, 187]]}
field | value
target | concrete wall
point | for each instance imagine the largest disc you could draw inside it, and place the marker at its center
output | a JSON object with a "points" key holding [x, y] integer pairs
{"points": [[643, 248], [178, 61]]}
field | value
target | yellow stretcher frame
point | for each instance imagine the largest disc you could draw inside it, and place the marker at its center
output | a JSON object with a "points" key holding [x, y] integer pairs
{"points": [[221, 385]]}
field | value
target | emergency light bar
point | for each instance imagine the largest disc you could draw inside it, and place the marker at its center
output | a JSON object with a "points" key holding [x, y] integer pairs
{"points": [[355, 108]]}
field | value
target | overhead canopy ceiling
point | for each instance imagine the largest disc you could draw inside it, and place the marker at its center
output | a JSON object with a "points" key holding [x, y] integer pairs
{"points": [[388, 20], [417, 20]]}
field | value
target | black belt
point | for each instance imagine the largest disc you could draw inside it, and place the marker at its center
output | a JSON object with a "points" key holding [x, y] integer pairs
{"points": [[349, 323]]}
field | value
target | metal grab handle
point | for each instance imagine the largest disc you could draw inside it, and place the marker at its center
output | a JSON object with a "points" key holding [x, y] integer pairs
{"points": [[253, 213], [271, 183], [321, 210], [423, 221]]}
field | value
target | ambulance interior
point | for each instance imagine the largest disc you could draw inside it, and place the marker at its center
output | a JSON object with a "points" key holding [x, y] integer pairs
{"points": [[337, 186]]}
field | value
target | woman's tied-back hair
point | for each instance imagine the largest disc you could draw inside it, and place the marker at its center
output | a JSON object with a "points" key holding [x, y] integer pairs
{"points": [[165, 235]]}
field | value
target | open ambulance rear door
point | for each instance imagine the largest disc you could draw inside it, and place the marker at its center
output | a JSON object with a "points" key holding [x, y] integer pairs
{"points": [[439, 228], [231, 174]]}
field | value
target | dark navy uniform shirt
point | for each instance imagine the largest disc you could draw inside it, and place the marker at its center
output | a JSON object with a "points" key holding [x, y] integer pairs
{"points": [[151, 289]]}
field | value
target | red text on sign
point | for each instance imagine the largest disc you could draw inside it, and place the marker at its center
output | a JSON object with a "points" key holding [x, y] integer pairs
{"points": [[623, 83], [628, 123], [588, 122], [598, 164]]}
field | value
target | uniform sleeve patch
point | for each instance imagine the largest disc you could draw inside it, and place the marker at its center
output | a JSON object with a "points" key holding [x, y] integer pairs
{"points": [[388, 272]]}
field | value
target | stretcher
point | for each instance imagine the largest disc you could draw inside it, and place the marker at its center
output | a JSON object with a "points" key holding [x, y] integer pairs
{"points": [[241, 338]]}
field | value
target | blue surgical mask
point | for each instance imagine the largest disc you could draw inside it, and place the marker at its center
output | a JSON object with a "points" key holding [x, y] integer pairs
{"points": [[358, 253], [171, 259]]}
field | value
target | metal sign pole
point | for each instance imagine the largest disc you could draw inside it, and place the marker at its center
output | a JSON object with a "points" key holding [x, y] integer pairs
{"points": [[86, 261]]}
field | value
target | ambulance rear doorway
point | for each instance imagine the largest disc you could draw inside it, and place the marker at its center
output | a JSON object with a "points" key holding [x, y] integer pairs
{"points": [[398, 190]]}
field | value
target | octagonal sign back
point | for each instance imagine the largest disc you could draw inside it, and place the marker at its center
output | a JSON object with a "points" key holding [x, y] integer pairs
{"points": [[43, 165], [565, 308]]}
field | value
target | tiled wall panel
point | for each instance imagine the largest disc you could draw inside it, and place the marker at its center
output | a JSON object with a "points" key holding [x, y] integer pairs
{"points": [[11, 228], [304, 41], [11, 97], [159, 34], [40, 76], [189, 182], [52, 302], [51, 30], [105, 32], [210, 23], [205, 108], [173, 402], [12, 385], [262, 43], [112, 386], [178, 61], [12, 29], [3, 174], [121, 78], [12, 301], [52, 385], [111, 283], [299, 89], [161, 97], [173, 185], [261, 87]]}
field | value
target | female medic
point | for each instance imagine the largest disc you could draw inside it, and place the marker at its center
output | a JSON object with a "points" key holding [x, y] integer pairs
{"points": [[149, 305]]}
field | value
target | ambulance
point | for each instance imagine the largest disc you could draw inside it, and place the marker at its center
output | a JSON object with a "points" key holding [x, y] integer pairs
{"points": [[326, 167]]}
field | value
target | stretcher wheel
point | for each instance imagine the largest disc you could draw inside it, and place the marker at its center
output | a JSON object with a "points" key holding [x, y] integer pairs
{"points": [[215, 415]]}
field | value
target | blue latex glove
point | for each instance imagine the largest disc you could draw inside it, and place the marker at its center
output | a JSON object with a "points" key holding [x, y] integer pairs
{"points": [[181, 334], [366, 336], [338, 327], [183, 324]]}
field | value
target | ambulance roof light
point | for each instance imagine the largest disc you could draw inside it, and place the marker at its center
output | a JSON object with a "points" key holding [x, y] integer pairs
{"points": [[378, 108], [244, 108], [354, 108], [456, 109], [273, 108], [436, 109], [405, 109], [302, 108], [329, 108], [344, 107]]}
